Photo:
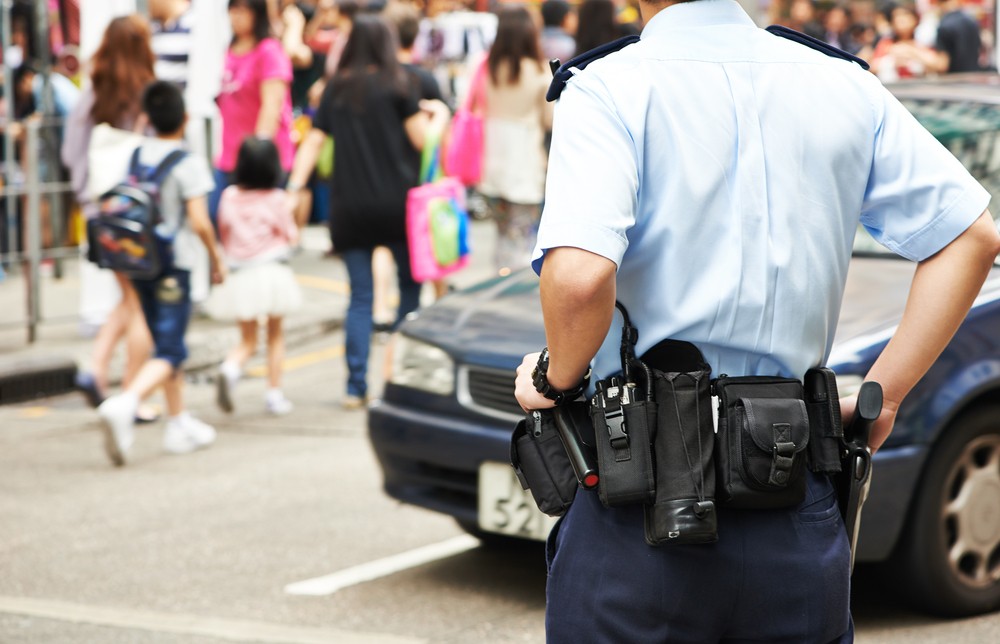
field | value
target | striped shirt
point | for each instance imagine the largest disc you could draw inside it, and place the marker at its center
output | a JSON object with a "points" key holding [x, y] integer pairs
{"points": [[172, 46]]}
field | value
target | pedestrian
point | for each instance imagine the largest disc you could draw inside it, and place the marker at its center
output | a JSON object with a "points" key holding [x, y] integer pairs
{"points": [[560, 23], [172, 22], [166, 299], [958, 39], [255, 97], [173, 26], [119, 70], [258, 232], [596, 25], [371, 110], [899, 55], [516, 119], [689, 181]]}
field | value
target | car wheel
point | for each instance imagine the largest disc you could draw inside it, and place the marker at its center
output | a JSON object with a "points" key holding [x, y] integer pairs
{"points": [[948, 561]]}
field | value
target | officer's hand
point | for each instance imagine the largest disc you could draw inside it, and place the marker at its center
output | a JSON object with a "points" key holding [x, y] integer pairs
{"points": [[524, 389], [882, 427]]}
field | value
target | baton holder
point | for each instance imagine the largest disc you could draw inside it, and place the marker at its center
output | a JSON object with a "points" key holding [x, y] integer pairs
{"points": [[683, 511]]}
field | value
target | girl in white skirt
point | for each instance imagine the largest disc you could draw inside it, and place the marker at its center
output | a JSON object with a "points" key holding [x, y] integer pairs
{"points": [[258, 233]]}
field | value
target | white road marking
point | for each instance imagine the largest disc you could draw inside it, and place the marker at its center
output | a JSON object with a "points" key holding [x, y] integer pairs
{"points": [[194, 625], [329, 584]]}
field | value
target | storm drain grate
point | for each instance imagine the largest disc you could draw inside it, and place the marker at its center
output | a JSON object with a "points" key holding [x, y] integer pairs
{"points": [[31, 380]]}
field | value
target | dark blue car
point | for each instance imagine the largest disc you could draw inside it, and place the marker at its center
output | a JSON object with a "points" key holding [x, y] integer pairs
{"points": [[442, 430]]}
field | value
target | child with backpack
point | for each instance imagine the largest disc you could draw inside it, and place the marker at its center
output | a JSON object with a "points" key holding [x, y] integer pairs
{"points": [[149, 228], [258, 232]]}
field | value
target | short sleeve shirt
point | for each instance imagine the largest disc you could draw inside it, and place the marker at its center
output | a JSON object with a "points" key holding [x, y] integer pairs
{"points": [[239, 100], [190, 178], [374, 162], [725, 170]]}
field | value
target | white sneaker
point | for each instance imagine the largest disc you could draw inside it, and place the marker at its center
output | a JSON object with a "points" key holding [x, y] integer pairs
{"points": [[185, 433], [118, 414], [229, 375], [277, 404]]}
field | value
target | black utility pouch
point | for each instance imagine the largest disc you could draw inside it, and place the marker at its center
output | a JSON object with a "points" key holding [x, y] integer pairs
{"points": [[683, 511], [826, 431], [623, 431], [540, 462], [761, 444]]}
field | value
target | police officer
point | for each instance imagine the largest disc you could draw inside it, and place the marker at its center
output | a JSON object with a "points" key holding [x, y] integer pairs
{"points": [[711, 177]]}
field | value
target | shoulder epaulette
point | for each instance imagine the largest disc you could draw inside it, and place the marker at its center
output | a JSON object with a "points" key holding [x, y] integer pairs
{"points": [[815, 43], [576, 64]]}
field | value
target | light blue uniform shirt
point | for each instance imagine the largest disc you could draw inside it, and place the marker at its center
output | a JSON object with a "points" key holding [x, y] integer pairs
{"points": [[724, 170]]}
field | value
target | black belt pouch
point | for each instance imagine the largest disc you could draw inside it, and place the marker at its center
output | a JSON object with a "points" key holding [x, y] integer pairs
{"points": [[761, 444], [624, 451], [826, 431], [684, 509], [541, 464]]}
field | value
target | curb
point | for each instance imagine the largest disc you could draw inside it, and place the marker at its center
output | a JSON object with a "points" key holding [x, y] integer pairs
{"points": [[26, 379]]}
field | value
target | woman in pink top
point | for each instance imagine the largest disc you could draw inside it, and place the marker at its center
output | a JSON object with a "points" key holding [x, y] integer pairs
{"points": [[255, 97], [258, 231]]}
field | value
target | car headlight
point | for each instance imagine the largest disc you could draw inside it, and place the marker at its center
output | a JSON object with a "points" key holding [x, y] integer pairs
{"points": [[421, 366], [848, 384]]}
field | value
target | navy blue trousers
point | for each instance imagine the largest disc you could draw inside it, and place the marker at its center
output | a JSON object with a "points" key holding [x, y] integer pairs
{"points": [[773, 576]]}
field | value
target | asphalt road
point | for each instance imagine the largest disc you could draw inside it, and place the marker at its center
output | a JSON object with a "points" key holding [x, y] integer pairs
{"points": [[213, 547]]}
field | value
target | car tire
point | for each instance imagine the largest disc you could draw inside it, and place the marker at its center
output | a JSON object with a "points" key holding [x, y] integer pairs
{"points": [[948, 560]]}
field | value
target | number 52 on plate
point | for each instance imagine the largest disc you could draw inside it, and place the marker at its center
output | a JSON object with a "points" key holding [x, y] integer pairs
{"points": [[504, 508]]}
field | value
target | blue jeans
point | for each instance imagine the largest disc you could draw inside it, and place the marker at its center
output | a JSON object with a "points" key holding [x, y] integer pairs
{"points": [[166, 303], [358, 325]]}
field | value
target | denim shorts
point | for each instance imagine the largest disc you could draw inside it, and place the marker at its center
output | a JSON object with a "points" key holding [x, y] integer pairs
{"points": [[166, 303]]}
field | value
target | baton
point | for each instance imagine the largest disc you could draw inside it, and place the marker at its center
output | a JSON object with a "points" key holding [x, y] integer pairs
{"points": [[856, 475], [582, 461]]}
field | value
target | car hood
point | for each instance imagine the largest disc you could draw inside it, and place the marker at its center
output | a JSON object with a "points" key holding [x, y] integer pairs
{"points": [[496, 322], [493, 323]]}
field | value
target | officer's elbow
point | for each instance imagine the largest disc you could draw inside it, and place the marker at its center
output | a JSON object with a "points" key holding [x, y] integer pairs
{"points": [[576, 275], [974, 251], [982, 238]]}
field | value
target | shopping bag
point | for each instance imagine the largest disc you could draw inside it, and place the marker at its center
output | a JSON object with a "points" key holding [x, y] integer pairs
{"points": [[464, 151], [437, 223]]}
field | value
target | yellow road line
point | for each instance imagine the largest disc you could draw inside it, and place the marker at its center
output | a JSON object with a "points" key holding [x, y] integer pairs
{"points": [[323, 284], [298, 362], [33, 412]]}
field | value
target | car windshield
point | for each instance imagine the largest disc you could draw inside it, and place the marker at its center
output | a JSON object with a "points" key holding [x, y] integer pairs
{"points": [[971, 131]]}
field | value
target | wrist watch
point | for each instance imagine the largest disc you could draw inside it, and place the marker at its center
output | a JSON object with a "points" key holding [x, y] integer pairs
{"points": [[540, 379]]}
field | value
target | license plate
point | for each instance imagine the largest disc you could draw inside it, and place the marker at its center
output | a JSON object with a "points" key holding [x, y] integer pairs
{"points": [[504, 508]]}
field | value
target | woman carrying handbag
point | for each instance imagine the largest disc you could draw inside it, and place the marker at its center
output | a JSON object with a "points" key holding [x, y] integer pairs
{"points": [[516, 119], [371, 110]]}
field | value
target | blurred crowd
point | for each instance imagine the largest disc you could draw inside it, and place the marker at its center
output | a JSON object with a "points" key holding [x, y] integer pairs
{"points": [[326, 110], [899, 39]]}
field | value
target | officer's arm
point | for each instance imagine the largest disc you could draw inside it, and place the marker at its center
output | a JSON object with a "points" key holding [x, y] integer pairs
{"points": [[943, 290], [578, 301]]}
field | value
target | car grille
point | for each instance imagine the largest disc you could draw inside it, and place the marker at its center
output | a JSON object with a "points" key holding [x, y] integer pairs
{"points": [[489, 392]]}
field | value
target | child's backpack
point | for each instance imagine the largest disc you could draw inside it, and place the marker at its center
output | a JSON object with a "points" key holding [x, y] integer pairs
{"points": [[126, 235]]}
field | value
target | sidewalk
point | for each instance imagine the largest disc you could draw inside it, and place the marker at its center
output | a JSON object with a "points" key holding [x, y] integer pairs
{"points": [[60, 347]]}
